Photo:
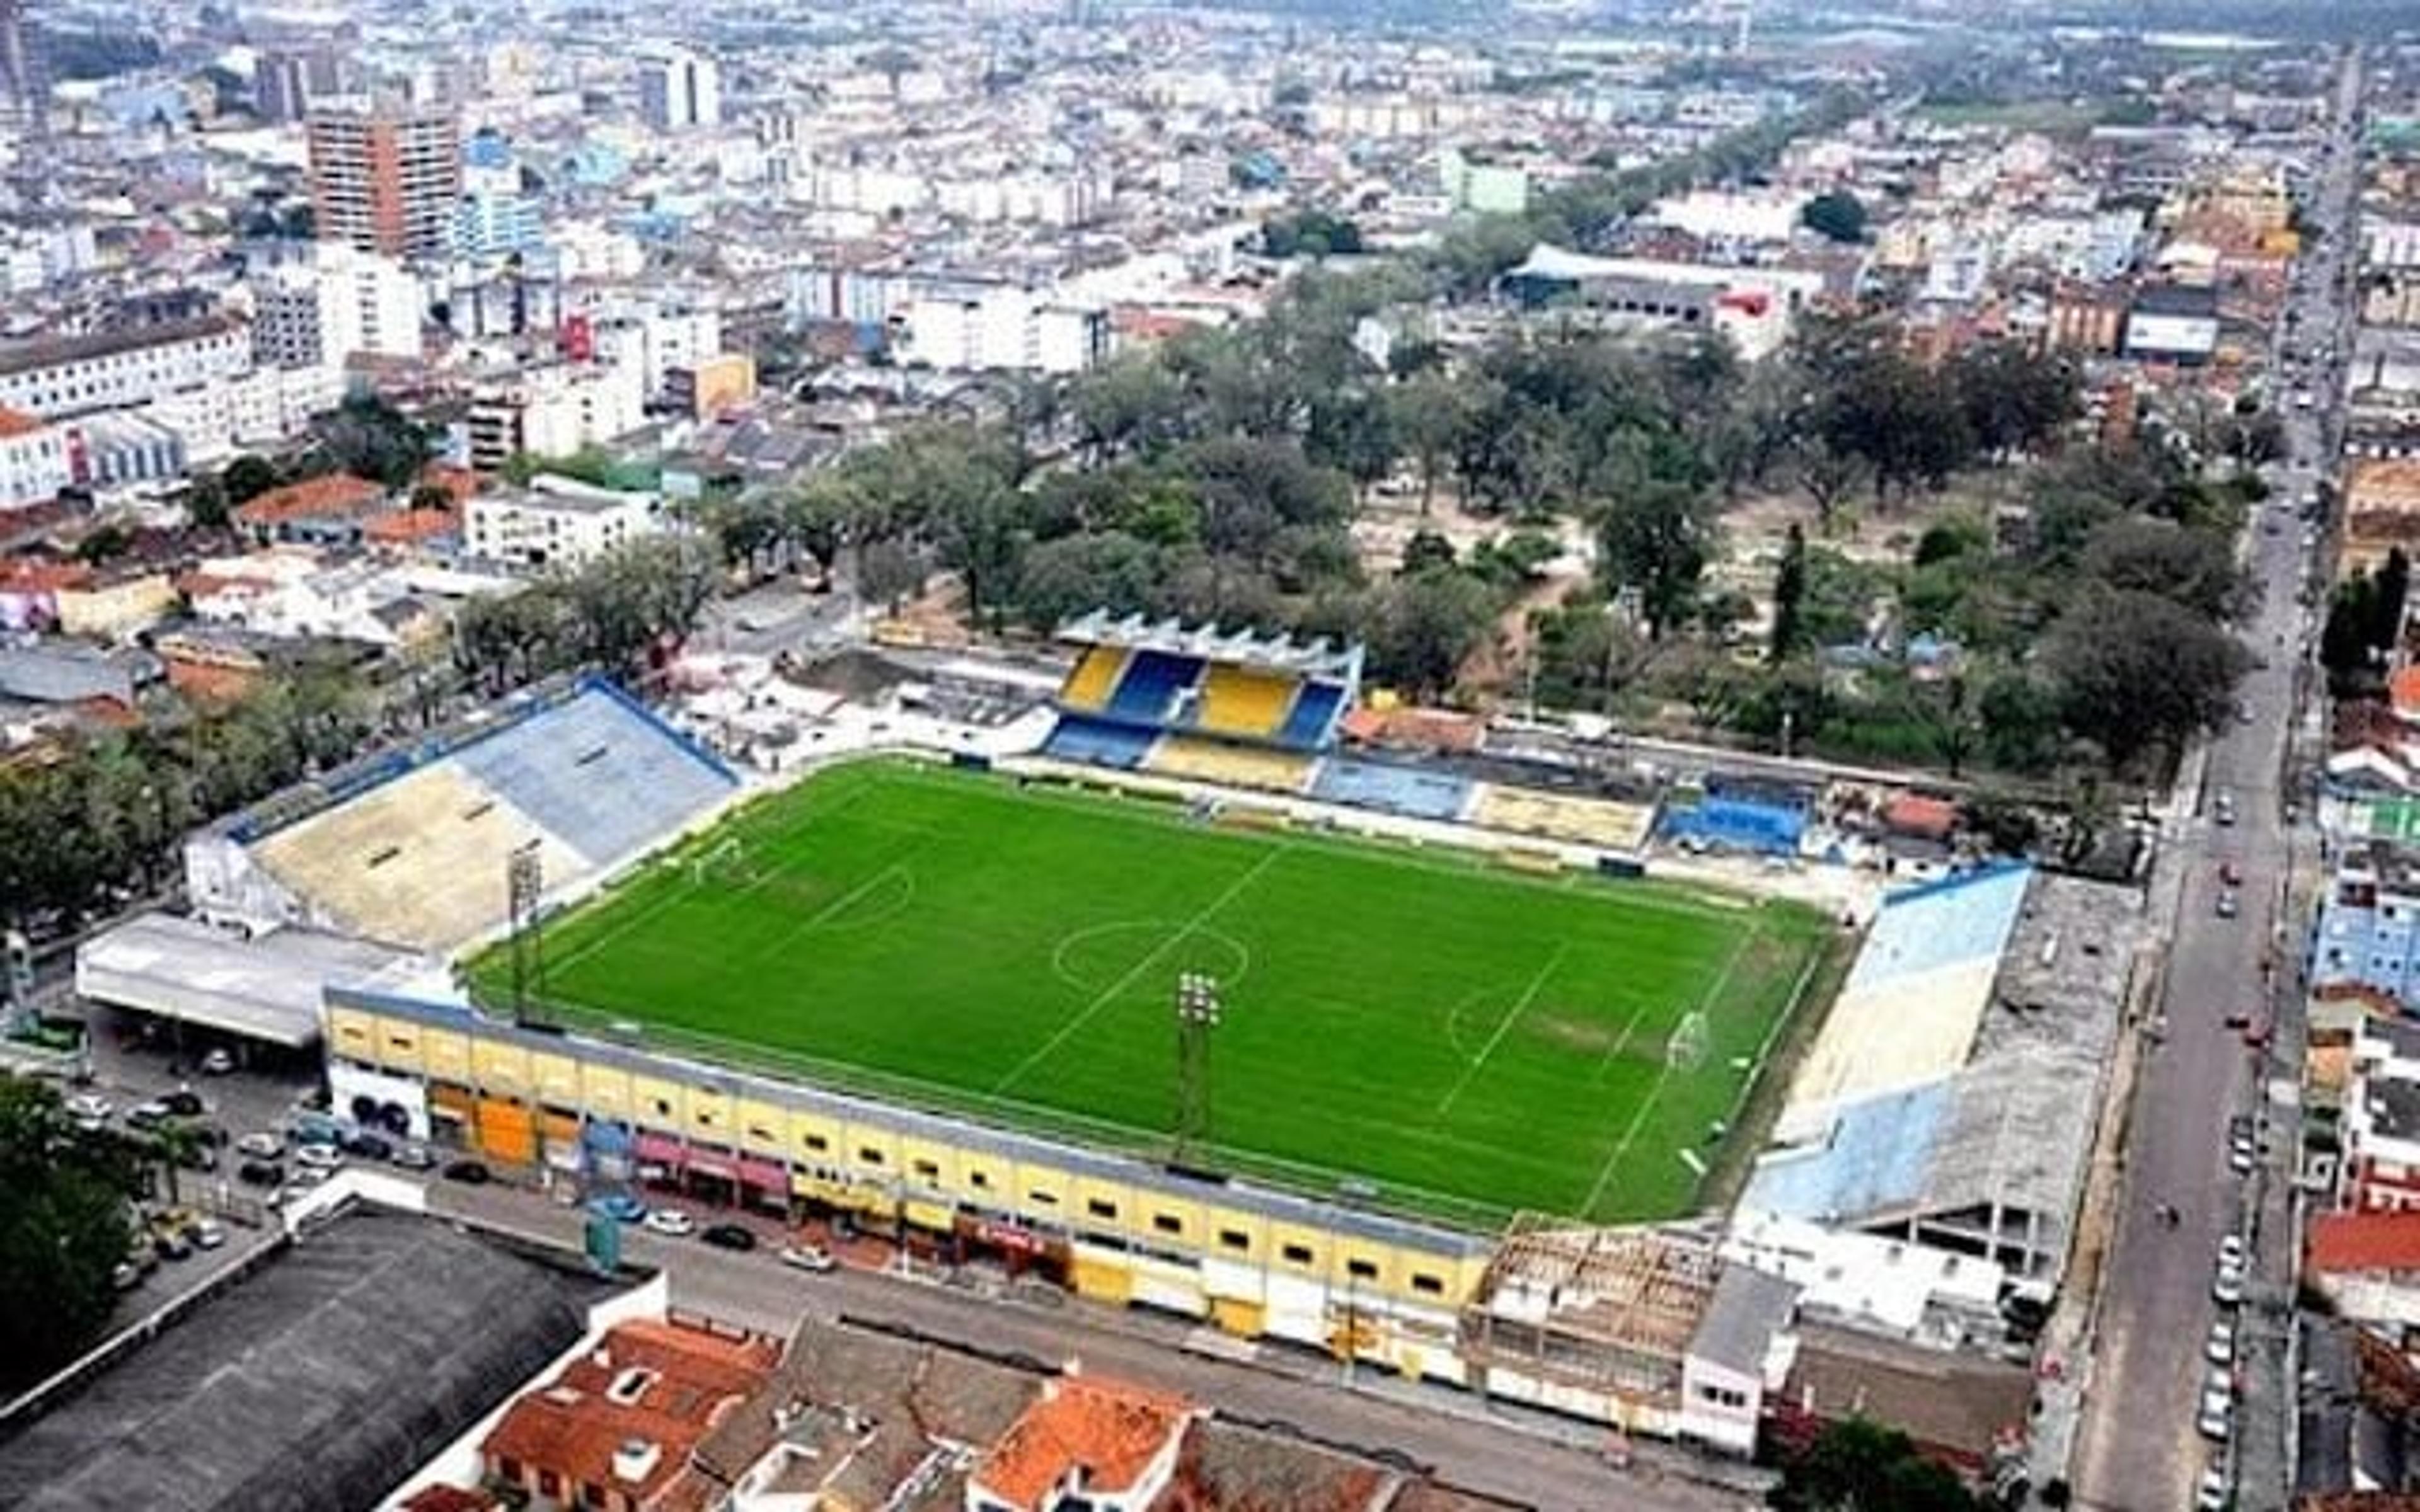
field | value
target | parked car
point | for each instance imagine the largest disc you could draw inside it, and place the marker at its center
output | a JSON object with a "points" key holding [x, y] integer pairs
{"points": [[2230, 1252], [2226, 905], [2211, 1494], [467, 1172], [415, 1158], [185, 1103], [368, 1146], [208, 1234], [318, 1157], [729, 1236], [307, 1176], [670, 1221], [260, 1173], [2227, 1287], [126, 1275], [169, 1244], [807, 1257], [2216, 1416], [217, 1063], [261, 1145], [2219, 1347], [149, 1115], [621, 1207], [85, 1107]]}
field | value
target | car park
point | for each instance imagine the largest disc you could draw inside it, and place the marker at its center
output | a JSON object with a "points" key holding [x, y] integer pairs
{"points": [[670, 1221], [806, 1257], [729, 1236], [467, 1172]]}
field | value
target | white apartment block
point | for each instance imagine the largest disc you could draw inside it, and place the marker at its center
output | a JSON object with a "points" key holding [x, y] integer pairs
{"points": [[82, 373], [552, 411], [653, 339], [263, 407], [557, 523], [338, 304], [681, 90], [35, 461], [1001, 328]]}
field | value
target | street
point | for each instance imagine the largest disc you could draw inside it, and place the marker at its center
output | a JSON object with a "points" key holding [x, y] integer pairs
{"points": [[2139, 1447]]}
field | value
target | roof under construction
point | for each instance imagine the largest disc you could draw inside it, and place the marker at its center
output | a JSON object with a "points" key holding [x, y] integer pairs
{"points": [[1604, 1307]]}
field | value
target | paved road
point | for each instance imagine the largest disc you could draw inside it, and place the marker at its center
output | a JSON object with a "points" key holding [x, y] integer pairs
{"points": [[1452, 1432], [2139, 1448]]}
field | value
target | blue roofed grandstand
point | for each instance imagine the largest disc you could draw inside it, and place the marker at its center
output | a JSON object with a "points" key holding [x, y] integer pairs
{"points": [[1731, 815], [1938, 1101], [410, 847], [1411, 792]]}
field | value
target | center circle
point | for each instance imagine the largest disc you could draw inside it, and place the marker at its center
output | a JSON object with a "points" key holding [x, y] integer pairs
{"points": [[1095, 959]]}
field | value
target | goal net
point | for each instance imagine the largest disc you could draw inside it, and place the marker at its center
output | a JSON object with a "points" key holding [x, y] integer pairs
{"points": [[1687, 1047], [720, 862]]}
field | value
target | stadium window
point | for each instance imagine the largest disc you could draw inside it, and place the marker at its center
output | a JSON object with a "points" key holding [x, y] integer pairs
{"points": [[663, 1108], [870, 1155], [818, 1143], [1168, 1222], [1426, 1284], [929, 1170], [1297, 1254], [1360, 1269], [1102, 1207], [1235, 1238], [979, 1179], [1041, 1198]]}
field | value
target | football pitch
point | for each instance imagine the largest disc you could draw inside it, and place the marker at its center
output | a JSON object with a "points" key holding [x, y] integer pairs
{"points": [[1465, 1040]]}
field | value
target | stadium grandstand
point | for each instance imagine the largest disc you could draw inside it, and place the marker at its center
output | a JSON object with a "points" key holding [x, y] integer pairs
{"points": [[410, 847], [1937, 1104]]}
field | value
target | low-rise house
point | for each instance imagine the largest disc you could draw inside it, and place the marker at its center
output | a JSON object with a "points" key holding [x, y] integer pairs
{"points": [[2368, 1265], [334, 511]]}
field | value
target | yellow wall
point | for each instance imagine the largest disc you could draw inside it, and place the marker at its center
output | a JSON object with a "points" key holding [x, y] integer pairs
{"points": [[512, 1073], [119, 608]]}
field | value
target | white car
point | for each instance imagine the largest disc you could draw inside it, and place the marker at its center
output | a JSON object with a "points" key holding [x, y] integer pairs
{"points": [[2230, 1252], [306, 1178], [2241, 1157], [217, 1063], [318, 1157], [86, 1108], [261, 1146], [208, 1234], [2211, 1494], [2217, 1415], [807, 1257], [2219, 1349], [2227, 1289], [671, 1220]]}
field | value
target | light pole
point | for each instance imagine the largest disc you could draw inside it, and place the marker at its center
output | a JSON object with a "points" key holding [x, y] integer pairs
{"points": [[1197, 1015]]}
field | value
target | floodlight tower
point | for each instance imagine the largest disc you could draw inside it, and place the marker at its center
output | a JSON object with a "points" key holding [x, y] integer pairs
{"points": [[524, 885], [1197, 1015]]}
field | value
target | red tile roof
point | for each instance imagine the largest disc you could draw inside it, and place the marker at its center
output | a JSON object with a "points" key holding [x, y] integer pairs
{"points": [[17, 422], [1111, 1430], [403, 527], [2351, 1241], [338, 493], [659, 1382], [1911, 813]]}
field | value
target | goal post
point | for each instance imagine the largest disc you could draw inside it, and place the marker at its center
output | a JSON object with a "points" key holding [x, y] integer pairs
{"points": [[1690, 1042], [723, 858]]}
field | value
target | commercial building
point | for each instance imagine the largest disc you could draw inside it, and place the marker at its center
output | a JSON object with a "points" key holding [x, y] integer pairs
{"points": [[335, 304], [681, 90], [2380, 1171], [385, 178], [34, 463], [2171, 323], [551, 411], [1000, 327], [557, 522], [117, 369]]}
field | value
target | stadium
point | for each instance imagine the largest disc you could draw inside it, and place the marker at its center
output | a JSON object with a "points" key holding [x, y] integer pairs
{"points": [[1158, 989]]}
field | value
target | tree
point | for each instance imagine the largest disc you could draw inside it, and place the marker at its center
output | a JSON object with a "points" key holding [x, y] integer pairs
{"points": [[1655, 541], [1428, 419], [1790, 595], [64, 1228], [2135, 670], [2345, 645], [1861, 1466], [1836, 215], [1108, 569], [2011, 399], [1827, 473], [247, 478], [371, 438], [1426, 626], [2195, 568], [1426, 552], [2392, 598], [206, 502]]}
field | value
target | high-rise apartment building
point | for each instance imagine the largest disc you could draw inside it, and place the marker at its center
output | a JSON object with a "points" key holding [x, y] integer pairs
{"points": [[681, 90], [385, 178], [23, 91]]}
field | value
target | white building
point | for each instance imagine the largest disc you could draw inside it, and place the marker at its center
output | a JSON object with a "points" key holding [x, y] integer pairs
{"points": [[559, 522], [33, 461], [112, 370], [334, 304], [653, 338], [999, 327], [1725, 217], [681, 90], [262, 407], [553, 411]]}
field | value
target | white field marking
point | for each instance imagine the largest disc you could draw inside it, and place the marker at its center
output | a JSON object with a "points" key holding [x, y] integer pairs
{"points": [[1620, 1042], [1663, 1074], [1084, 1015], [833, 907], [1520, 1006]]}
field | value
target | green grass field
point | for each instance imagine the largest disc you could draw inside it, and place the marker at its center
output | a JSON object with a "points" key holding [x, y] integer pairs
{"points": [[1469, 1039]]}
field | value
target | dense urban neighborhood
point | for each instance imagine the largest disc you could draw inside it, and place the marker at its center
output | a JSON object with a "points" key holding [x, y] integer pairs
{"points": [[1050, 756]]}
